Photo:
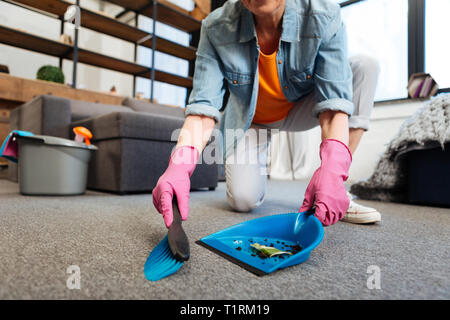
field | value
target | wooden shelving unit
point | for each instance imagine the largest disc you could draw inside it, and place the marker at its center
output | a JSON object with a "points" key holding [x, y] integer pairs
{"points": [[15, 91], [164, 12], [168, 13], [110, 26], [35, 43]]}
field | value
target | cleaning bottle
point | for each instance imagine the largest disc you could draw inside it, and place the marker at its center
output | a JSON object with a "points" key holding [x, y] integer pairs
{"points": [[82, 134]]}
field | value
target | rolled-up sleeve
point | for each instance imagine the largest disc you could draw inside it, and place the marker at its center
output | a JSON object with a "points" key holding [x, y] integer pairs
{"points": [[332, 73], [208, 89]]}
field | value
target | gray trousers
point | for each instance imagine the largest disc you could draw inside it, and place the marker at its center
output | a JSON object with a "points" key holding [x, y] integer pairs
{"points": [[246, 168]]}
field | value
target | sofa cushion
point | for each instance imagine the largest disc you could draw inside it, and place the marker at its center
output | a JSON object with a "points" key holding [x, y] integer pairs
{"points": [[143, 106], [82, 110], [133, 125], [135, 165]]}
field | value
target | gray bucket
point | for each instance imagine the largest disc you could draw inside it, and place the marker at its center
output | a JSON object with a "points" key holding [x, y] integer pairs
{"points": [[53, 166]]}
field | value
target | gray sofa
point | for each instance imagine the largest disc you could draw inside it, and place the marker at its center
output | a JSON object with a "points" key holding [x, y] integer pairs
{"points": [[134, 140]]}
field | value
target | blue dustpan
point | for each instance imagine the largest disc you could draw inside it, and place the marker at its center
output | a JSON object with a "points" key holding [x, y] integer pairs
{"points": [[234, 243]]}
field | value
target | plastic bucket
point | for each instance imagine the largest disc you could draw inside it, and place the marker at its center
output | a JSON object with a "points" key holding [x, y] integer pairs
{"points": [[53, 166]]}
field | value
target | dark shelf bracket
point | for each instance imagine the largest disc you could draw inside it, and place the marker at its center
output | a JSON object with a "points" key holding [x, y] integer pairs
{"points": [[155, 16], [136, 24], [66, 54], [139, 74], [416, 36], [122, 13], [75, 19], [75, 59], [61, 60], [140, 10]]}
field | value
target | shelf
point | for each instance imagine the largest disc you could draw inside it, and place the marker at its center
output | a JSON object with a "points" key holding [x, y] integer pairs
{"points": [[168, 13], [34, 43], [15, 91], [107, 25]]}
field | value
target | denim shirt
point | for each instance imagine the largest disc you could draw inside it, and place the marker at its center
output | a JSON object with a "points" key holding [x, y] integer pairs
{"points": [[312, 56]]}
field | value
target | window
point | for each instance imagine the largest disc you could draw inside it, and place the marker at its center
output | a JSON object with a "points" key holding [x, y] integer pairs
{"points": [[165, 93], [379, 28], [437, 46]]}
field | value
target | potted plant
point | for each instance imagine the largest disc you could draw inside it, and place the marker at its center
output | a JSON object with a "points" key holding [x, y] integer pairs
{"points": [[50, 73]]}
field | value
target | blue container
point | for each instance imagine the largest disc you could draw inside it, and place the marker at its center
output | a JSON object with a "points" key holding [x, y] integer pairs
{"points": [[277, 231]]}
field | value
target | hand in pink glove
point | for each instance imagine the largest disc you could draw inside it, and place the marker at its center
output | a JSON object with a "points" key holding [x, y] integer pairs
{"points": [[326, 189], [176, 180]]}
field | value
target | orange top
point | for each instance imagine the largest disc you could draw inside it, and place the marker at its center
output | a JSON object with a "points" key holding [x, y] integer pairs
{"points": [[82, 131], [271, 105]]}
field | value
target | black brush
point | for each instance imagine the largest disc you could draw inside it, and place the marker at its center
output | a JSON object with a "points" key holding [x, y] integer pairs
{"points": [[178, 241]]}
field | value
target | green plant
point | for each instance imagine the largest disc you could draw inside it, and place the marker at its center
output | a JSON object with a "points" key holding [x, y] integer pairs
{"points": [[50, 73]]}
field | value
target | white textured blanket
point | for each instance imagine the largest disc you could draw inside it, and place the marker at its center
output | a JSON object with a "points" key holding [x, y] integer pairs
{"points": [[429, 126]]}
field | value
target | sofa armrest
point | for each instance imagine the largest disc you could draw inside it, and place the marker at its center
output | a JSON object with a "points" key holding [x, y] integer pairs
{"points": [[46, 115], [14, 119]]}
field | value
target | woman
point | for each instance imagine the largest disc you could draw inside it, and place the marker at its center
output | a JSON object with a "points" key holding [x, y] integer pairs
{"points": [[286, 66]]}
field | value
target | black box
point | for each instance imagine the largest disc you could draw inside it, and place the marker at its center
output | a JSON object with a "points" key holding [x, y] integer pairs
{"points": [[429, 176]]}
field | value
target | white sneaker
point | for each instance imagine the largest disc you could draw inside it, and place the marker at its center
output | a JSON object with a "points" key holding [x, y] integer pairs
{"points": [[357, 213]]}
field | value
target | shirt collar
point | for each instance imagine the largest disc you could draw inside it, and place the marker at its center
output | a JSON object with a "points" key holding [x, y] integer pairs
{"points": [[290, 24], [247, 27]]}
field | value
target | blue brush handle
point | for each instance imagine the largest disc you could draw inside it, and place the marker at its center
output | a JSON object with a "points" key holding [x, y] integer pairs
{"points": [[301, 219]]}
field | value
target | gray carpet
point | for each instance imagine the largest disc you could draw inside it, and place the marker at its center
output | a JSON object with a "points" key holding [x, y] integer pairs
{"points": [[109, 237]]}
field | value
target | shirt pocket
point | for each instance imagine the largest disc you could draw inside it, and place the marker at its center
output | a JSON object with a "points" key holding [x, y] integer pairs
{"points": [[302, 78], [240, 84], [236, 79], [302, 81]]}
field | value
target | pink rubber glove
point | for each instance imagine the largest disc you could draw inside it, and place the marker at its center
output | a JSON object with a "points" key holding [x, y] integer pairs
{"points": [[176, 180], [326, 189]]}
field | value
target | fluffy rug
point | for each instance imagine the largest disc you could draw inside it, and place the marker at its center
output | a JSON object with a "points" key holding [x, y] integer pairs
{"points": [[428, 128]]}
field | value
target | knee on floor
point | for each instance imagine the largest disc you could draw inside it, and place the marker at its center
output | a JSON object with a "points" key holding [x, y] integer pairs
{"points": [[244, 201]]}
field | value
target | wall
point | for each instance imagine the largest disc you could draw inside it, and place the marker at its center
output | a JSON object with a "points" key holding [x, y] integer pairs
{"points": [[385, 123]]}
